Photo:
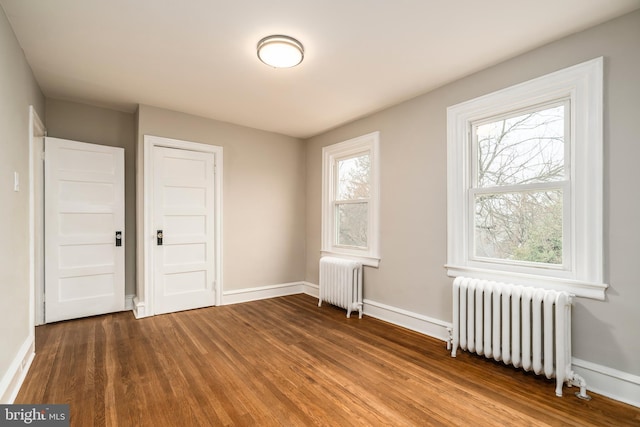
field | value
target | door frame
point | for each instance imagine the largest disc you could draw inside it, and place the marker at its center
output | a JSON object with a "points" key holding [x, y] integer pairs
{"points": [[36, 219], [145, 236]]}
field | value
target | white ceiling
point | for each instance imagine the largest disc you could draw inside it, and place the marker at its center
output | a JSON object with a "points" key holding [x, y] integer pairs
{"points": [[198, 56]]}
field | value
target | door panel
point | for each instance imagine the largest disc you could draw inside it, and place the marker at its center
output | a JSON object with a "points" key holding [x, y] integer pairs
{"points": [[84, 207], [184, 264]]}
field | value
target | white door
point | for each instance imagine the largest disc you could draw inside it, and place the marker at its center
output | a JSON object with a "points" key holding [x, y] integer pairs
{"points": [[84, 212], [184, 246]]}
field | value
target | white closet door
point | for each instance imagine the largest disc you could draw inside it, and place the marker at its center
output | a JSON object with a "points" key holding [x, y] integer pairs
{"points": [[84, 212], [184, 246]]}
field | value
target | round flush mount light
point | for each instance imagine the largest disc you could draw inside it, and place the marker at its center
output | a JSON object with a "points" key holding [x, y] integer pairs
{"points": [[280, 51]]}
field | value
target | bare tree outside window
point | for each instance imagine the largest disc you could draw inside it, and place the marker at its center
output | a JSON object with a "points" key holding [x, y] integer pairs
{"points": [[352, 202], [518, 196]]}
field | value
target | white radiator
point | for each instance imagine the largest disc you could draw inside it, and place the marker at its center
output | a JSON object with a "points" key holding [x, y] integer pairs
{"points": [[526, 327], [341, 283]]}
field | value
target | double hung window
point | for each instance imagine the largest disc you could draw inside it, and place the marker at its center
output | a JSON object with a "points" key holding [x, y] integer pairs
{"points": [[520, 187], [525, 183], [350, 199]]}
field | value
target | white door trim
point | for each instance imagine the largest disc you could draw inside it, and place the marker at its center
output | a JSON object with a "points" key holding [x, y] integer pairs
{"points": [[143, 303], [36, 240]]}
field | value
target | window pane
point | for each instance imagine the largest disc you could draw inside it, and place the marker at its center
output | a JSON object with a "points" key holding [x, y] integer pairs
{"points": [[353, 178], [351, 219], [519, 226], [524, 149]]}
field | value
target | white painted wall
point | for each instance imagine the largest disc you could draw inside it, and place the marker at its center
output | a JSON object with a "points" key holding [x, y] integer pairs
{"points": [[18, 89]]}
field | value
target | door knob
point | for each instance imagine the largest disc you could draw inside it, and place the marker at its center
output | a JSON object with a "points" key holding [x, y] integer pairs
{"points": [[118, 238], [159, 237]]}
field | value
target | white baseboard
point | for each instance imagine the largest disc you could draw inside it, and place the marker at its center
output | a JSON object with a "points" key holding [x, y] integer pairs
{"points": [[14, 377], [138, 309], [262, 292], [240, 295], [310, 289], [609, 382], [416, 322], [128, 302]]}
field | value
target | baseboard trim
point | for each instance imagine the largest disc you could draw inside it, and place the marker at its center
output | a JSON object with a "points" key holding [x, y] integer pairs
{"points": [[416, 322], [609, 382], [138, 309], [15, 375], [262, 292], [407, 319], [128, 302], [310, 289]]}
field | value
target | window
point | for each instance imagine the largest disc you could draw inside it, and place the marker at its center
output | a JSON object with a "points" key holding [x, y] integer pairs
{"points": [[520, 185], [525, 183], [350, 199]]}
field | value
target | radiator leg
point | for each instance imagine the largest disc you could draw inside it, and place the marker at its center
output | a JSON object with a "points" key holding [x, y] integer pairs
{"points": [[355, 306], [559, 385]]}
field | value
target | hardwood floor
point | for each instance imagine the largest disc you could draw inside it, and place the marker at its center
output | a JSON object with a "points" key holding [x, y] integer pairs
{"points": [[284, 361]]}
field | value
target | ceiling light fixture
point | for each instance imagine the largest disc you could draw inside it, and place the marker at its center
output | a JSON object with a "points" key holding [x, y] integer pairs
{"points": [[280, 51]]}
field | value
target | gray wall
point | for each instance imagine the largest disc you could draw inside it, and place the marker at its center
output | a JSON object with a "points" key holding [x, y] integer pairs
{"points": [[413, 169], [18, 90], [263, 200], [84, 123]]}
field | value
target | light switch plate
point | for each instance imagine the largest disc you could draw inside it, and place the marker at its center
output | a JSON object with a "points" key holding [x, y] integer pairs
{"points": [[16, 181]]}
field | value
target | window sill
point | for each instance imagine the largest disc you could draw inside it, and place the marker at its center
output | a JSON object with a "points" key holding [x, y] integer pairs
{"points": [[576, 287], [365, 260]]}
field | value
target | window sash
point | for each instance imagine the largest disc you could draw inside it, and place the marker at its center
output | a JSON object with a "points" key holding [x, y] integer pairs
{"points": [[337, 223], [336, 175], [568, 120], [354, 201], [564, 187]]}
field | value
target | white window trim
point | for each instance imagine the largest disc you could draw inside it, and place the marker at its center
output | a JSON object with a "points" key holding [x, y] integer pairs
{"points": [[366, 143], [583, 85]]}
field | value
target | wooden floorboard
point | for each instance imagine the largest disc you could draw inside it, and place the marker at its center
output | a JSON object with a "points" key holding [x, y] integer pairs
{"points": [[284, 361]]}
